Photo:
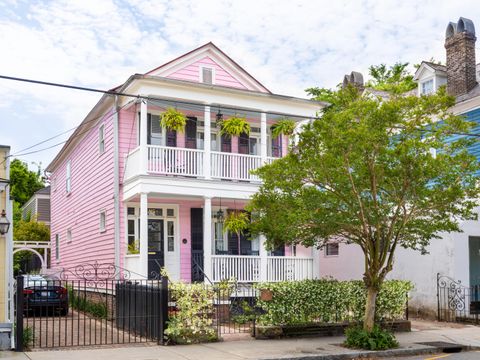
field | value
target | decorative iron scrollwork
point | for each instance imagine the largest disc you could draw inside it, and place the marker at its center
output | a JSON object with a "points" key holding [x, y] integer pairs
{"points": [[455, 291]]}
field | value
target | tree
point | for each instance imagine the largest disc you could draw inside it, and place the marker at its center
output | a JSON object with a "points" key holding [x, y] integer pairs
{"points": [[365, 173], [24, 183], [28, 230], [395, 78]]}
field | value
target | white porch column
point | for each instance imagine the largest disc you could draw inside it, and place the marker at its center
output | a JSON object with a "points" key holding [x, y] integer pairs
{"points": [[207, 144], [263, 259], [144, 234], [316, 262], [263, 137], [143, 137], [207, 237]]}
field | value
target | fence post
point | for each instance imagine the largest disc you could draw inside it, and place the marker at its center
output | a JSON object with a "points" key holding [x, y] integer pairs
{"points": [[163, 310], [19, 315], [438, 298]]}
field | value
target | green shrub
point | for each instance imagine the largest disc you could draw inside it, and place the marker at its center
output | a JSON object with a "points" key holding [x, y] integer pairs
{"points": [[192, 320], [81, 303], [329, 301], [27, 338], [377, 339]]}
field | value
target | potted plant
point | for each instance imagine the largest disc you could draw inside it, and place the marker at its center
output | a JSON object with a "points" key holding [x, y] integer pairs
{"points": [[234, 126], [134, 248], [173, 119], [236, 222], [283, 127]]}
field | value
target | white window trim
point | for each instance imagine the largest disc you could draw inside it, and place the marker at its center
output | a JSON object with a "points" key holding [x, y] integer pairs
{"points": [[101, 139], [104, 213], [68, 177], [69, 240], [201, 73], [325, 250]]}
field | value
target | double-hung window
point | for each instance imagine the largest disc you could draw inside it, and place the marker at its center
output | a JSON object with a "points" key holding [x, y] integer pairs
{"points": [[101, 139], [332, 249]]}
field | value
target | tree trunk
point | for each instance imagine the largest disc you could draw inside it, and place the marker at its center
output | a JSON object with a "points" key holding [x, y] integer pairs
{"points": [[369, 320]]}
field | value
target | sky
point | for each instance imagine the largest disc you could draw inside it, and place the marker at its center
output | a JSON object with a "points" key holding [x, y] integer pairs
{"points": [[287, 45]]}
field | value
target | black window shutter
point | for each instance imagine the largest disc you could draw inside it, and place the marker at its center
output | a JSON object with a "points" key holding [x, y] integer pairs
{"points": [[196, 224], [243, 141], [191, 133]]}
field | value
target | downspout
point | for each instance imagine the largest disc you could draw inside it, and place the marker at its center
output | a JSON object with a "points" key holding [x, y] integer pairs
{"points": [[116, 186]]}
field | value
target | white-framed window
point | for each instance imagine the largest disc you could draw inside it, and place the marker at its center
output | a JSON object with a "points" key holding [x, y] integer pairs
{"points": [[427, 87], [207, 75], [219, 236], [170, 235], [53, 184], [101, 139], [332, 249], [69, 235], [133, 230], [57, 247], [68, 175], [103, 221]]}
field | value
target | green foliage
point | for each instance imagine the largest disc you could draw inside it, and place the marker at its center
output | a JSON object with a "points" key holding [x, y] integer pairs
{"points": [[283, 127], [321, 94], [234, 126], [173, 119], [30, 230], [23, 182], [394, 79], [134, 248], [329, 301], [192, 320], [81, 303], [377, 339], [237, 222], [246, 313], [27, 337], [364, 173]]}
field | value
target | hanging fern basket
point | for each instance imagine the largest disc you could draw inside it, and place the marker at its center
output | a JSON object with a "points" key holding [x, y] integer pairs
{"points": [[173, 119], [234, 126], [283, 127], [237, 222]]}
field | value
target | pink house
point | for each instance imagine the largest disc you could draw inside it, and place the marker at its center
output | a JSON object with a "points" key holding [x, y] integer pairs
{"points": [[126, 191]]}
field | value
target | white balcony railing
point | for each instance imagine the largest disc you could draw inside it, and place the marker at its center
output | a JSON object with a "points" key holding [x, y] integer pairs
{"points": [[247, 269], [289, 268], [175, 161], [234, 166], [168, 160], [242, 268]]}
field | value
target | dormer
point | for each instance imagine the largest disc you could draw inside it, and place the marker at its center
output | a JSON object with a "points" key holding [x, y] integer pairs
{"points": [[430, 77], [210, 66]]}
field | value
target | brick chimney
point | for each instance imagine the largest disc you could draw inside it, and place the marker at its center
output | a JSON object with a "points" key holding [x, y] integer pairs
{"points": [[460, 45], [355, 78]]}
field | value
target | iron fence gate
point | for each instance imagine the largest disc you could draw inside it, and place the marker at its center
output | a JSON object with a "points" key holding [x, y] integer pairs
{"points": [[456, 302], [91, 304]]}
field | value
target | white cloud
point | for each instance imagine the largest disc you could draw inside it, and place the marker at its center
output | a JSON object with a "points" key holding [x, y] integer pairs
{"points": [[287, 45]]}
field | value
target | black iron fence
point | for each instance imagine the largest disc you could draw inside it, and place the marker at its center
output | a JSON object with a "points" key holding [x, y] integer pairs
{"points": [[93, 310], [457, 302]]}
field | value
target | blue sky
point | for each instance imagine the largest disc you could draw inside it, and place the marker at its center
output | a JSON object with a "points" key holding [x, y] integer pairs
{"points": [[288, 45]]}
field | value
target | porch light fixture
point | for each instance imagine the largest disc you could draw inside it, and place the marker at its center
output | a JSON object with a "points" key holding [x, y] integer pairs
{"points": [[4, 223], [220, 214], [219, 116]]}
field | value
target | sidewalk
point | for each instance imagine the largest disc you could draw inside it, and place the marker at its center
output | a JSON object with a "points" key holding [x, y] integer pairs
{"points": [[309, 348]]}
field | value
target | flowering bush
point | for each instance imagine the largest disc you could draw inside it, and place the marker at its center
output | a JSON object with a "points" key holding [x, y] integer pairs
{"points": [[308, 301]]}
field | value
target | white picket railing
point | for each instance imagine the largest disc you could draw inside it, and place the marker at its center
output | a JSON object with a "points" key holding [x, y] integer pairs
{"points": [[234, 166], [132, 164], [289, 268], [245, 269], [175, 161]]}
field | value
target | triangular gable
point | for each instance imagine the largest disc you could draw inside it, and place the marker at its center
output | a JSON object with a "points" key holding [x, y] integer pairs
{"points": [[226, 71], [422, 69]]}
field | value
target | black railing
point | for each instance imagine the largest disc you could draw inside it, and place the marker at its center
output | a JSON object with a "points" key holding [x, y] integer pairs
{"points": [[197, 266]]}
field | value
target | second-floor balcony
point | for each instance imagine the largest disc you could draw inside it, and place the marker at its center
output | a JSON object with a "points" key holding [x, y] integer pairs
{"points": [[166, 160]]}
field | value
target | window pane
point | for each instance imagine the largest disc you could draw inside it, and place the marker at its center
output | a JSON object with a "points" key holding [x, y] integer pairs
{"points": [[213, 141], [155, 212], [200, 140], [253, 146], [207, 75], [170, 228], [131, 211], [170, 212], [131, 227], [331, 249]]}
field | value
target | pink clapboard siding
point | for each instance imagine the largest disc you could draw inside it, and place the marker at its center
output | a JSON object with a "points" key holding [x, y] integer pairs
{"points": [[191, 72], [79, 211]]}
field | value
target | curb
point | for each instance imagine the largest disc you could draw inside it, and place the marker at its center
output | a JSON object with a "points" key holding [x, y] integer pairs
{"points": [[424, 350]]}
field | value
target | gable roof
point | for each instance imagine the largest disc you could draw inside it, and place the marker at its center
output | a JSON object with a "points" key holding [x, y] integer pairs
{"points": [[438, 69], [218, 56]]}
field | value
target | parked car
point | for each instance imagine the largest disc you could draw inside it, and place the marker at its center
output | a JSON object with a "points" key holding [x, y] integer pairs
{"points": [[44, 295]]}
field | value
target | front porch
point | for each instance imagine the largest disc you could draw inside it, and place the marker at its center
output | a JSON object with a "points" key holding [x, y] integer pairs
{"points": [[185, 236]]}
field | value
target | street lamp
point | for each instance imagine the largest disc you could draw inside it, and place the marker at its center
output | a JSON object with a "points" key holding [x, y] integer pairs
{"points": [[4, 223]]}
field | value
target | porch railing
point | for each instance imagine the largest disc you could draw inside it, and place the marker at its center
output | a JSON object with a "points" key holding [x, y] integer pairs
{"points": [[234, 166], [245, 269], [175, 161], [289, 268]]}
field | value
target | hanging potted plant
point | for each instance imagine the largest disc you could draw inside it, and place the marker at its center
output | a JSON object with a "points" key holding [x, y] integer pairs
{"points": [[173, 119], [283, 127], [236, 222], [234, 126]]}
